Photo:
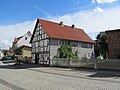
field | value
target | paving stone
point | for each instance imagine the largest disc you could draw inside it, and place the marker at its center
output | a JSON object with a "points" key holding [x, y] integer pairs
{"points": [[46, 78]]}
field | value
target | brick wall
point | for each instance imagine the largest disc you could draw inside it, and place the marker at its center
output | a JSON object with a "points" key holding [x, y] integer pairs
{"points": [[114, 44]]}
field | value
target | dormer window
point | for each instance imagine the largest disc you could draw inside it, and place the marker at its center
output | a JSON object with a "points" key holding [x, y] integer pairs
{"points": [[25, 38]]}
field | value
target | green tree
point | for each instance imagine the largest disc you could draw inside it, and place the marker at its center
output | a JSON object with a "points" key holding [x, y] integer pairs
{"points": [[101, 46], [104, 45], [16, 49], [66, 51], [5, 52]]}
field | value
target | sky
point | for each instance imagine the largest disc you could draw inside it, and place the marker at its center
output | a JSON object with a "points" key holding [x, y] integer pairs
{"points": [[93, 16]]}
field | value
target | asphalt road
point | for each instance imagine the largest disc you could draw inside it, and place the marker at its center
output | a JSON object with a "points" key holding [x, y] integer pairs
{"points": [[45, 78]]}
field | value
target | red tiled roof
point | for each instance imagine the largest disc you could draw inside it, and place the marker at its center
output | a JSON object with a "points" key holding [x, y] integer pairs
{"points": [[17, 39], [55, 30]]}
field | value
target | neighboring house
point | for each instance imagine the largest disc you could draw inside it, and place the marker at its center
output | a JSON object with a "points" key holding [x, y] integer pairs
{"points": [[49, 36], [23, 40], [25, 52], [21, 43], [10, 52], [113, 44]]}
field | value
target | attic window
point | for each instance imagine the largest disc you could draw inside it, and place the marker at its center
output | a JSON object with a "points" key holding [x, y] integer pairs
{"points": [[25, 38]]}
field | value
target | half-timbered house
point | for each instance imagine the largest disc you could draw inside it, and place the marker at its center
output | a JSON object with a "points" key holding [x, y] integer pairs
{"points": [[49, 36]]}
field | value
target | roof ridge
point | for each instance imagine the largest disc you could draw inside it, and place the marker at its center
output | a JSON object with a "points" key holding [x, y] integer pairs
{"points": [[59, 24]]}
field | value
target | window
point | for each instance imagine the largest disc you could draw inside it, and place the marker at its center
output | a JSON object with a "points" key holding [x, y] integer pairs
{"points": [[33, 45], [25, 38], [79, 44], [60, 42], [33, 56], [90, 45], [41, 43], [73, 43], [36, 44], [33, 50], [45, 42], [36, 49], [86, 45], [65, 42]]}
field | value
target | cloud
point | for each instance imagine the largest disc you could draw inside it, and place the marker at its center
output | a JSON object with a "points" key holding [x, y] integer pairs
{"points": [[9, 32], [5, 44], [92, 21], [98, 9], [103, 1], [95, 20]]}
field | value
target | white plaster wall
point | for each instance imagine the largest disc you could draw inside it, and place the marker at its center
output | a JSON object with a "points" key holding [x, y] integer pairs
{"points": [[85, 52], [22, 41], [53, 47], [53, 51], [82, 52]]}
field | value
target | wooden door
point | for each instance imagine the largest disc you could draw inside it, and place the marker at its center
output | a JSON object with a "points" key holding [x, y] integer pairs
{"points": [[36, 58]]}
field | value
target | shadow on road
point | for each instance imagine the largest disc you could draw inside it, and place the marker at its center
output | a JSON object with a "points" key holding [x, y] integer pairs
{"points": [[99, 73], [105, 74]]}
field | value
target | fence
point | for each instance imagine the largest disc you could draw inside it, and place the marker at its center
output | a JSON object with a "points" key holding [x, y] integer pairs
{"points": [[97, 64]]}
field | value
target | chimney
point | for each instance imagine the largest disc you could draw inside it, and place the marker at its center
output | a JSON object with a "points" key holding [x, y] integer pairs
{"points": [[61, 23], [73, 26]]}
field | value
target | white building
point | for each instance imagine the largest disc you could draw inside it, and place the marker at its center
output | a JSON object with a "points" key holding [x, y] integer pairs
{"points": [[23, 40]]}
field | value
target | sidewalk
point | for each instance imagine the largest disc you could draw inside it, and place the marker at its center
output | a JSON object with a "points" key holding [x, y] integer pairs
{"points": [[109, 76]]}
